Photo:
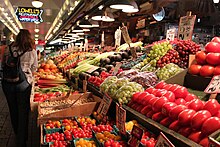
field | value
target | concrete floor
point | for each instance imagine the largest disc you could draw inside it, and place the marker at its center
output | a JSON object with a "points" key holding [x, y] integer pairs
{"points": [[7, 137]]}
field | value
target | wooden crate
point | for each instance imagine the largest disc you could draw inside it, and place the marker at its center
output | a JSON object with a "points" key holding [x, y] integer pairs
{"points": [[212, 137]]}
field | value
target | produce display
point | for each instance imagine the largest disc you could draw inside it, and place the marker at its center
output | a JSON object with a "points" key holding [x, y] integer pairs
{"points": [[98, 79], [85, 143], [112, 89], [174, 107], [108, 81], [207, 62]]}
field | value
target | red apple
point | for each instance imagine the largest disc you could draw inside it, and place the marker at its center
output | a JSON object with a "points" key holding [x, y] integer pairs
{"points": [[196, 136], [146, 109], [196, 105], [140, 97], [174, 87], [180, 101], [210, 125], [200, 57], [176, 111], [167, 86], [166, 121], [175, 126], [160, 85], [204, 142], [135, 96], [218, 114], [190, 97], [167, 107], [212, 47], [185, 117], [150, 90], [160, 92], [206, 71], [170, 96], [150, 114], [213, 58], [181, 92], [199, 118], [147, 98], [157, 105], [216, 39], [185, 131], [158, 117], [212, 106]]}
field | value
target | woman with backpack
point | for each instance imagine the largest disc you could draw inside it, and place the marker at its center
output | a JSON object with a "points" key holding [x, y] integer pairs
{"points": [[19, 63]]}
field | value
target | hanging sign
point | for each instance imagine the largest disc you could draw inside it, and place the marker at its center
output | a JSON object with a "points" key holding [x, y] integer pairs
{"points": [[104, 105], [214, 85], [118, 37], [186, 26], [163, 141], [27, 14], [136, 135], [120, 119], [170, 34], [125, 35]]}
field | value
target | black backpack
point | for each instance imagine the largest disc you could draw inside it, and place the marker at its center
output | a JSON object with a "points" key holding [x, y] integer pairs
{"points": [[12, 71]]}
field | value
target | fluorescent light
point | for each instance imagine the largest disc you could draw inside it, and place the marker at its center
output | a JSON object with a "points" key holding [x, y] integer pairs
{"points": [[56, 41], [107, 19], [122, 4], [97, 18], [80, 33], [37, 3], [130, 10], [95, 25], [36, 35], [216, 1], [36, 30], [86, 30]]}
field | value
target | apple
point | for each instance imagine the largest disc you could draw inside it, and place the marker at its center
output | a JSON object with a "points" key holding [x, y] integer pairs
{"points": [[158, 117], [166, 121], [217, 70], [157, 105], [167, 86], [176, 110], [210, 125], [152, 100], [135, 96], [160, 92], [160, 85], [204, 142], [181, 92], [141, 96], [196, 105], [185, 131], [206, 70], [170, 96], [150, 114], [175, 126], [199, 118], [150, 90], [212, 47], [147, 98], [218, 114], [174, 87], [167, 107], [200, 57], [196, 136], [213, 58], [146, 109], [180, 101], [190, 97], [212, 106], [185, 117], [216, 39], [194, 69]]}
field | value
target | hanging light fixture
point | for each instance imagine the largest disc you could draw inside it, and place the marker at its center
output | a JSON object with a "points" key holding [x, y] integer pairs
{"points": [[37, 3], [131, 10], [122, 4], [97, 16], [216, 1], [77, 29], [84, 23], [108, 17]]}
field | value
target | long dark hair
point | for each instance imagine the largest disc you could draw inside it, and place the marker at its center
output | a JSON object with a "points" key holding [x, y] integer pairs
{"points": [[23, 41]]}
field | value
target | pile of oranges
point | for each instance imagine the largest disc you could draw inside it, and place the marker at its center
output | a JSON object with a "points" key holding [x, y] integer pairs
{"points": [[48, 66]]}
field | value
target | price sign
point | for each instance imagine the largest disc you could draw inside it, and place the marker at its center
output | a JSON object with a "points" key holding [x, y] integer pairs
{"points": [[163, 141], [186, 26], [133, 52], [92, 69], [170, 34], [85, 85], [120, 118], [118, 37], [104, 105], [125, 34], [214, 85], [136, 133], [117, 67]]}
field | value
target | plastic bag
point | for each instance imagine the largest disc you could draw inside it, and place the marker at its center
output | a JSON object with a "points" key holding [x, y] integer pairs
{"points": [[108, 81], [127, 73], [112, 89]]}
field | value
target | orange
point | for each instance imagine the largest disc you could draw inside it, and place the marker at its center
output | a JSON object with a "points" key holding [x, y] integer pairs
{"points": [[67, 127], [47, 66], [41, 70]]}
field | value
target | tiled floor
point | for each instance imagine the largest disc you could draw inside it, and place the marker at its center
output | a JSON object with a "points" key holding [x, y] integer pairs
{"points": [[7, 137]]}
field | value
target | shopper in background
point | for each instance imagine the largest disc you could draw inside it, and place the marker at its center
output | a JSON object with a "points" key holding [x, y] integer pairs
{"points": [[18, 94]]}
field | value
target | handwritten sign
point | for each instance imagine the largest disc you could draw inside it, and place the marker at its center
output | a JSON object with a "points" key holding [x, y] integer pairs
{"points": [[92, 69], [214, 85], [133, 52], [27, 14], [163, 141], [104, 105], [117, 67], [170, 34], [118, 37], [136, 135], [125, 34], [120, 118], [186, 26]]}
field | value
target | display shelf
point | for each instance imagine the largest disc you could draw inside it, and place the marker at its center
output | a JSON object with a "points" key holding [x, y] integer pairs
{"points": [[175, 138]]}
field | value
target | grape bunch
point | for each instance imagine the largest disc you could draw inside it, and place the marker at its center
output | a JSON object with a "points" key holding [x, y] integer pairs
{"points": [[172, 56], [158, 51], [168, 71], [185, 48]]}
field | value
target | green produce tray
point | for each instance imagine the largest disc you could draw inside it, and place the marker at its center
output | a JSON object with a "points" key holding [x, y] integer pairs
{"points": [[70, 144], [50, 131]]}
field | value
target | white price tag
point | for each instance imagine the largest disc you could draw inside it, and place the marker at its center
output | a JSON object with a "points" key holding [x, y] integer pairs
{"points": [[214, 85]]}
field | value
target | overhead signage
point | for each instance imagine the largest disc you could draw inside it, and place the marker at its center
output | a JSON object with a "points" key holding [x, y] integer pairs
{"points": [[186, 26], [27, 14]]}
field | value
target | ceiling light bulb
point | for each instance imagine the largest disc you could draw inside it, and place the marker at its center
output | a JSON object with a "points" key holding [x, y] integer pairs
{"points": [[36, 35], [122, 4], [37, 3], [216, 1], [130, 10], [36, 30], [107, 19], [86, 30]]}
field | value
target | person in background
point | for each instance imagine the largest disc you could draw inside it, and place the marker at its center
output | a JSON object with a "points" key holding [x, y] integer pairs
{"points": [[18, 97]]}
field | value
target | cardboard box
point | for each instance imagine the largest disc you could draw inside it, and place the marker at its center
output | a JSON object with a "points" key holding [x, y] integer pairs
{"points": [[212, 137], [178, 78], [75, 110]]}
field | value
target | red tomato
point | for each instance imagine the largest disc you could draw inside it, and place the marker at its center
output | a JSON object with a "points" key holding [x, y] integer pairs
{"points": [[206, 70], [185, 116], [213, 58], [115, 144], [212, 106], [217, 70], [212, 47], [107, 143], [194, 69], [199, 118], [200, 57], [211, 125]]}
